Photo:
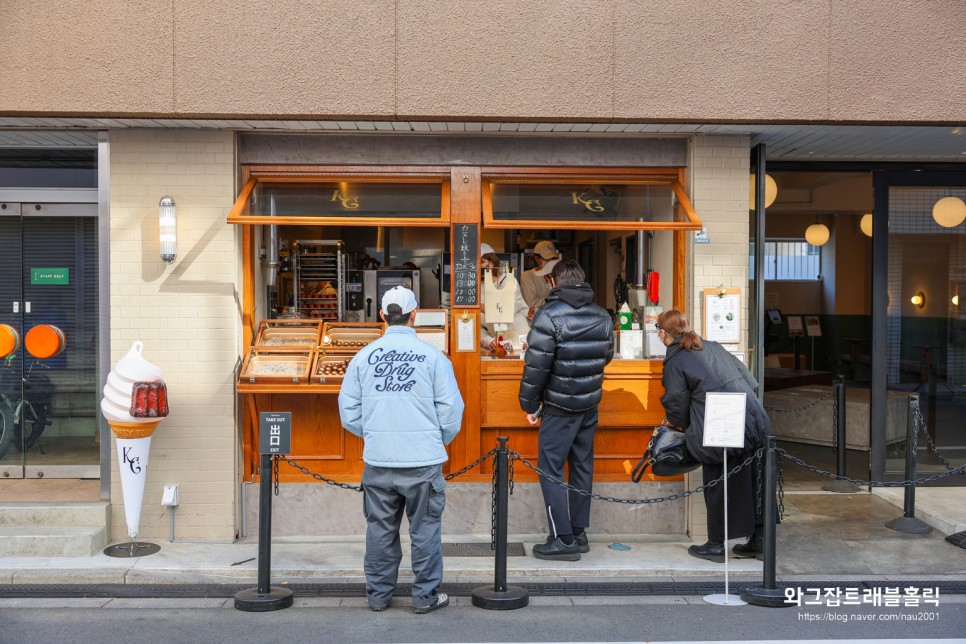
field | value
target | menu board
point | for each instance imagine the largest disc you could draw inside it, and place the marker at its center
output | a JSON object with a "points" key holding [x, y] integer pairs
{"points": [[466, 263]]}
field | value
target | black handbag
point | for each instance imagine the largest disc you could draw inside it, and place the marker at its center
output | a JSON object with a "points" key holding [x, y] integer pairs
{"points": [[666, 454]]}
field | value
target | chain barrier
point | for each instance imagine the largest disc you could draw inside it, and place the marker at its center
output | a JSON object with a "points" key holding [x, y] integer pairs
{"points": [[921, 423], [826, 395], [835, 417], [493, 508], [811, 468], [780, 480], [275, 474], [610, 499], [358, 488]]}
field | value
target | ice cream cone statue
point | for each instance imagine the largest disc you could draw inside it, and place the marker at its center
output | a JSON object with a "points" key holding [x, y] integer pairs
{"points": [[135, 400]]}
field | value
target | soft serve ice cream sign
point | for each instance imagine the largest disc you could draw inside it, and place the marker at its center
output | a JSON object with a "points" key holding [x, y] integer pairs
{"points": [[135, 400]]}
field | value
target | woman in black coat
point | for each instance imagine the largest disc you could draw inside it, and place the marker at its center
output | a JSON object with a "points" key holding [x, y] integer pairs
{"points": [[692, 368]]}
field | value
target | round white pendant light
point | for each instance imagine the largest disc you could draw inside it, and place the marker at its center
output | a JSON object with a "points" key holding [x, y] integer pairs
{"points": [[949, 212], [865, 224], [771, 191], [817, 234]]}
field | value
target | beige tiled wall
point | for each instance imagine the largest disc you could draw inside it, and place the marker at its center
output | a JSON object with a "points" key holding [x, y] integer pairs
{"points": [[185, 313], [719, 169]]}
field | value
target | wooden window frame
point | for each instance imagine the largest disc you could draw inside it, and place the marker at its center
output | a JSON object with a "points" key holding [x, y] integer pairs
{"points": [[354, 174], [673, 177]]}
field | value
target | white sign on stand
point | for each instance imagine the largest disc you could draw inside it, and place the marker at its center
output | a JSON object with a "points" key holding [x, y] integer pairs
{"points": [[724, 426]]}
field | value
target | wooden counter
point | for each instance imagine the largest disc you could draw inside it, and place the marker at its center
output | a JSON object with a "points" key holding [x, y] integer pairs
{"points": [[628, 411]]}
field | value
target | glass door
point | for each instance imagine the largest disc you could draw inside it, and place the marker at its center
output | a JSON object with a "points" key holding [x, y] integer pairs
{"points": [[926, 326], [48, 306]]}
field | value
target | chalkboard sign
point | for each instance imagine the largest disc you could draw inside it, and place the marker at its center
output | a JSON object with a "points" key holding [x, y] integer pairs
{"points": [[466, 264]]}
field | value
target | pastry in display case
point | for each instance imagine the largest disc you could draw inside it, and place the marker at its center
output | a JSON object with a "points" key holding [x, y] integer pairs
{"points": [[348, 337], [269, 366], [285, 335], [330, 369]]}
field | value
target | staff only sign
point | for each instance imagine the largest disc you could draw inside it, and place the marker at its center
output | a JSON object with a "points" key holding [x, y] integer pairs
{"points": [[275, 432]]}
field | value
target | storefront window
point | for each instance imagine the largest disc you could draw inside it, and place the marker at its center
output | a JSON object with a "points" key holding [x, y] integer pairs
{"points": [[347, 202], [651, 204]]}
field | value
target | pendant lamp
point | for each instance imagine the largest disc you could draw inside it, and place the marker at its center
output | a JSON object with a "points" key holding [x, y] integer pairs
{"points": [[817, 234], [771, 191], [949, 212]]}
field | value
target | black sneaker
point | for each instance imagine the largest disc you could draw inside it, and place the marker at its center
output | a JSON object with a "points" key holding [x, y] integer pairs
{"points": [[556, 550], [583, 545], [442, 601], [712, 551]]}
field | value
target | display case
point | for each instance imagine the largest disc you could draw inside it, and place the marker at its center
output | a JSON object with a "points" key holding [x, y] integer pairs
{"points": [[329, 370], [276, 367], [432, 326], [318, 275], [287, 335], [346, 338]]}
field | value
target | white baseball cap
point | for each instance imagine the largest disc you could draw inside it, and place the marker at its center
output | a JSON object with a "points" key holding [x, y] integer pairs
{"points": [[547, 267], [400, 295], [486, 248], [545, 249]]}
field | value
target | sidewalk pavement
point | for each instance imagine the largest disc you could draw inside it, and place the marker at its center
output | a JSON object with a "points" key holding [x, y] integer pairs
{"points": [[824, 536]]}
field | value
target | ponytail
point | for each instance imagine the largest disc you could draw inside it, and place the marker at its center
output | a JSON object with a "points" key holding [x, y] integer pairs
{"points": [[690, 341], [676, 324]]}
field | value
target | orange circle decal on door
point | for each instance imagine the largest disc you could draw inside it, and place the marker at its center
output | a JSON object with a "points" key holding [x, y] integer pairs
{"points": [[44, 341], [9, 340]]}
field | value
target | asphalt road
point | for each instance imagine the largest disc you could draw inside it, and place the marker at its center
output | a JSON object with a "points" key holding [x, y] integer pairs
{"points": [[588, 619]]}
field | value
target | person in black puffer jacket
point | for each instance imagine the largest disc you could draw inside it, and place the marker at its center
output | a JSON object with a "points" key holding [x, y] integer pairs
{"points": [[571, 340]]}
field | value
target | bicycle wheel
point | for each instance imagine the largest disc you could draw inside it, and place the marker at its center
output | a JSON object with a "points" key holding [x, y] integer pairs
{"points": [[6, 430]]}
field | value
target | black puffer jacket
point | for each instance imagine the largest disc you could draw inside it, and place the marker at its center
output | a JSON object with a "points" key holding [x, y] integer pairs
{"points": [[689, 376], [571, 340]]}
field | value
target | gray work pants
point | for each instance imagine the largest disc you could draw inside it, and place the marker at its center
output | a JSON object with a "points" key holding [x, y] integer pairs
{"points": [[388, 492]]}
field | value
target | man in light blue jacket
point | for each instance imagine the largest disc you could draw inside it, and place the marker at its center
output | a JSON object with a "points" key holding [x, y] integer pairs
{"points": [[400, 395]]}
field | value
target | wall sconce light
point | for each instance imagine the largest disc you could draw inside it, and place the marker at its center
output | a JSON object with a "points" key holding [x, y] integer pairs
{"points": [[955, 300], [919, 299], [168, 229], [865, 224], [771, 191], [817, 234], [949, 212]]}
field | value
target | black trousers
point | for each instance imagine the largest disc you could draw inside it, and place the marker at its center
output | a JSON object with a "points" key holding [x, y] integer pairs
{"points": [[742, 501], [570, 440]]}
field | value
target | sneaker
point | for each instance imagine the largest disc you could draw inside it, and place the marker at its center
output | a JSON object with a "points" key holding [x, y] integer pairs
{"points": [[556, 550], [442, 601], [712, 551], [583, 545], [377, 609]]}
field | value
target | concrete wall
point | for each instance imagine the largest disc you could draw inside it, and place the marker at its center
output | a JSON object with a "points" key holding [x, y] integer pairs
{"points": [[185, 313], [761, 60]]}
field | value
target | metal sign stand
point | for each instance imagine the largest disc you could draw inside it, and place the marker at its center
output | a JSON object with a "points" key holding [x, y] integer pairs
{"points": [[724, 426], [275, 433]]}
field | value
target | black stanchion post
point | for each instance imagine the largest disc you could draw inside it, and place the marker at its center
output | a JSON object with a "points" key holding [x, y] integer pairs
{"points": [[908, 523], [768, 594], [264, 598], [501, 596], [840, 486]]}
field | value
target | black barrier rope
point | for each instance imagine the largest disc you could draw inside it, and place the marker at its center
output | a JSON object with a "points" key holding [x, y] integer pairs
{"points": [[358, 488], [683, 495], [811, 468]]}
